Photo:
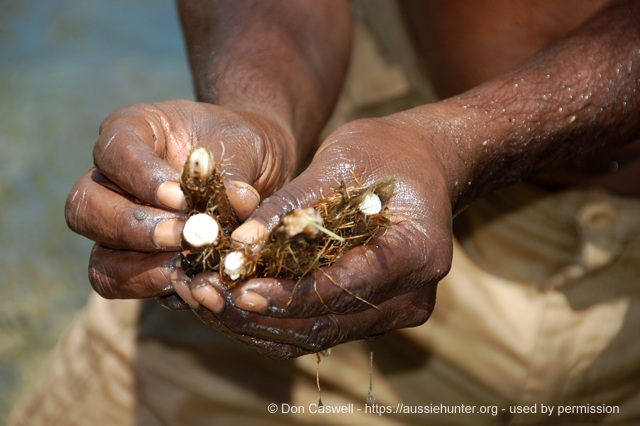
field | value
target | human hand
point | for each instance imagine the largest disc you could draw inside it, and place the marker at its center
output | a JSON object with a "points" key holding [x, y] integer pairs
{"points": [[397, 273], [131, 204]]}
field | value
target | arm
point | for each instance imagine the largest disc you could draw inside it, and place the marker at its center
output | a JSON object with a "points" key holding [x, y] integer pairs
{"points": [[283, 60], [566, 105], [571, 102]]}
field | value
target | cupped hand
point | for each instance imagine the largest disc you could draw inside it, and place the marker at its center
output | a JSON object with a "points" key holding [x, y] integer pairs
{"points": [[131, 204], [387, 284]]}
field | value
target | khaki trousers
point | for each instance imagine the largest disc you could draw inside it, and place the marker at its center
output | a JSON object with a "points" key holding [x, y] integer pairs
{"points": [[540, 312]]}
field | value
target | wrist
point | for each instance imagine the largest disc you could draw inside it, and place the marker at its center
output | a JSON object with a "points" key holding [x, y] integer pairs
{"points": [[448, 131], [266, 58], [247, 92]]}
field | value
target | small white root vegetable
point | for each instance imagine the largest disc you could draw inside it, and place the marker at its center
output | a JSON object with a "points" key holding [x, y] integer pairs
{"points": [[234, 264], [201, 230], [371, 204], [307, 221], [200, 163], [304, 221]]}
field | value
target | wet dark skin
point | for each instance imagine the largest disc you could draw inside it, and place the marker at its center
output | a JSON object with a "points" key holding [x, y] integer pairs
{"points": [[542, 90]]}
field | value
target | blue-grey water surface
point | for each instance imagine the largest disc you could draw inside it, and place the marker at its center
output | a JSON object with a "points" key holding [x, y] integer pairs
{"points": [[64, 66]]}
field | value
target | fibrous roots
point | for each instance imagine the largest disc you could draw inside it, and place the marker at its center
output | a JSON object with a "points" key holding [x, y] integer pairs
{"points": [[303, 241]]}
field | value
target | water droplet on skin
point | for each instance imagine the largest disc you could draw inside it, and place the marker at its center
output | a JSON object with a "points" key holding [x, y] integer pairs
{"points": [[613, 166]]}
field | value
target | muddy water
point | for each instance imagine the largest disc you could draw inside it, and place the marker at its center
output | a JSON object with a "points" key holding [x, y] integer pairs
{"points": [[64, 66]]}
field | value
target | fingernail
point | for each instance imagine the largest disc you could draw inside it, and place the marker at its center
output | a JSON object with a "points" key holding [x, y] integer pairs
{"points": [[168, 233], [243, 197], [208, 297], [181, 287], [169, 194], [250, 232], [252, 301]]}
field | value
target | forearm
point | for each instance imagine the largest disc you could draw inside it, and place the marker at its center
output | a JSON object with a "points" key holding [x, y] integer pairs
{"points": [[285, 60], [564, 105]]}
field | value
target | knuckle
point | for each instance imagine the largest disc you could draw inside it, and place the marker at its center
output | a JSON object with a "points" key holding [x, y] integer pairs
{"points": [[359, 126], [421, 314], [101, 284], [355, 130], [72, 207], [124, 113], [100, 278], [76, 207], [344, 301], [325, 332], [124, 118]]}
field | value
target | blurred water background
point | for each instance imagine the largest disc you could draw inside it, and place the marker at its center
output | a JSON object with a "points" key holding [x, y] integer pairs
{"points": [[64, 66]]}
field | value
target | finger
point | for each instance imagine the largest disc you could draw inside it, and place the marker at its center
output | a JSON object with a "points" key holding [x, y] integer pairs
{"points": [[300, 192], [172, 302], [243, 197], [216, 310], [144, 134], [96, 210], [118, 274], [131, 151], [321, 292], [207, 292], [396, 262], [270, 348], [253, 150], [314, 334], [253, 157]]}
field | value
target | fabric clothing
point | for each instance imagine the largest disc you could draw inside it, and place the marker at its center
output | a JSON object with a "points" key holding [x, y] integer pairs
{"points": [[526, 317]]}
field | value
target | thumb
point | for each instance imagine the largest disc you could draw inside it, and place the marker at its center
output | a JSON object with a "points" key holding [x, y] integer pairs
{"points": [[252, 160], [243, 197], [302, 191]]}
